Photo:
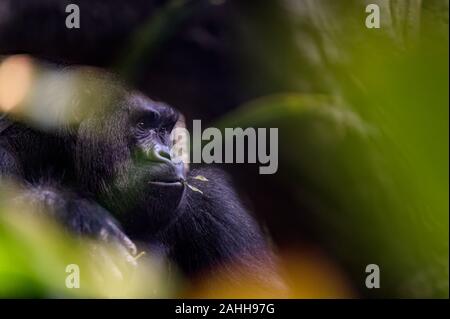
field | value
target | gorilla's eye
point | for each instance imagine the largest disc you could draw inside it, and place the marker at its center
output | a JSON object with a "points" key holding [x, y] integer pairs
{"points": [[148, 121]]}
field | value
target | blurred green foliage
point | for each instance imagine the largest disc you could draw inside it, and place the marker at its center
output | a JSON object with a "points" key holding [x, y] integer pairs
{"points": [[371, 160], [35, 253]]}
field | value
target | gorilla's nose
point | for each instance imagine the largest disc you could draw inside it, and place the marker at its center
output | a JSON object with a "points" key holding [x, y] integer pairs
{"points": [[161, 154]]}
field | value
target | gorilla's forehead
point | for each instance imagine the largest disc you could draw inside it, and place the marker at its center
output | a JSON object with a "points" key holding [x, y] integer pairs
{"points": [[104, 92], [137, 102]]}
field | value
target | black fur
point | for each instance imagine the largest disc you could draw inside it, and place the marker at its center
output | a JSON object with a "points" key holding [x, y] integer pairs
{"points": [[214, 228], [105, 166]]}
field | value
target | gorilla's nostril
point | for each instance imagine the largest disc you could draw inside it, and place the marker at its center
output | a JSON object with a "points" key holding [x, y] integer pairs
{"points": [[164, 154], [160, 154]]}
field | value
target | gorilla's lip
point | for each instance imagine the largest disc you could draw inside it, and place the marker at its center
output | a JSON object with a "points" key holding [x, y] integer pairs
{"points": [[167, 183]]}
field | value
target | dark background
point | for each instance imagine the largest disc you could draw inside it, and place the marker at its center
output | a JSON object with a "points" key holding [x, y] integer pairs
{"points": [[207, 58]]}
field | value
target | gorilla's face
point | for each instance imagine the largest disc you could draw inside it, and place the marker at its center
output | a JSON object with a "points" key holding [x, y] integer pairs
{"points": [[152, 178], [149, 127], [123, 156]]}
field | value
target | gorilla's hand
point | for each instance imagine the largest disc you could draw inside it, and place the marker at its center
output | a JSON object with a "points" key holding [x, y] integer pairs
{"points": [[80, 217]]}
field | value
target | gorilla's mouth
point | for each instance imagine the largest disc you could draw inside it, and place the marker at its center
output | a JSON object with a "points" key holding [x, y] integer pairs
{"points": [[163, 175], [177, 183]]}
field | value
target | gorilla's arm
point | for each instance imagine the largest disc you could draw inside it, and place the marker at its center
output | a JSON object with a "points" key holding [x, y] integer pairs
{"points": [[78, 215], [36, 181]]}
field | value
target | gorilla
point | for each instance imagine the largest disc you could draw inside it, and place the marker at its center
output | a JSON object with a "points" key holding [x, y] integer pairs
{"points": [[109, 174]]}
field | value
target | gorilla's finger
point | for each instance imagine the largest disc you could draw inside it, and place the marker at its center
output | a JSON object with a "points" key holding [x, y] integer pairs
{"points": [[123, 252], [116, 233], [127, 243], [105, 261]]}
